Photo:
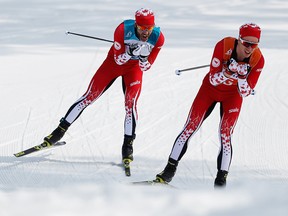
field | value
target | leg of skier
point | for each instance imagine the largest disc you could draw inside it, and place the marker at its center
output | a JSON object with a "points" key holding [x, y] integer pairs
{"points": [[132, 83], [100, 82], [200, 110], [230, 110]]}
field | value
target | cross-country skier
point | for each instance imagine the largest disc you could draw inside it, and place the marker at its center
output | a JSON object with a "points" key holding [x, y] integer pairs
{"points": [[234, 71], [136, 46]]}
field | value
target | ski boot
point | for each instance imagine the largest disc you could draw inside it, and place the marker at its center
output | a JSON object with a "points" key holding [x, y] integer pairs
{"points": [[168, 173], [220, 181], [58, 133], [127, 148]]}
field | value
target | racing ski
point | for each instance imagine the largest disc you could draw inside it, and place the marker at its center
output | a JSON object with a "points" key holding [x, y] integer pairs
{"points": [[42, 146], [155, 182]]}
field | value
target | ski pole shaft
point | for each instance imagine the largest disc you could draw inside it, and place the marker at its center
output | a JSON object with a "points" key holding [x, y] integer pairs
{"points": [[88, 36], [178, 72]]}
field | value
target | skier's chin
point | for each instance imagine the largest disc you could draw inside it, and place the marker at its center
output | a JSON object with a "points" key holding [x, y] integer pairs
{"points": [[144, 38], [248, 52]]}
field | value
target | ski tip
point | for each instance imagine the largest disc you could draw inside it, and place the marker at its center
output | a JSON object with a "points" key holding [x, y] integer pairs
{"points": [[19, 154]]}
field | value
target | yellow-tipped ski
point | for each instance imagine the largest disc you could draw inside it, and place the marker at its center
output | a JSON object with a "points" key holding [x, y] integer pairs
{"points": [[42, 146]]}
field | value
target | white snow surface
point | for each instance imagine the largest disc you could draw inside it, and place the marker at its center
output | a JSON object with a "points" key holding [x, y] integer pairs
{"points": [[44, 71]]}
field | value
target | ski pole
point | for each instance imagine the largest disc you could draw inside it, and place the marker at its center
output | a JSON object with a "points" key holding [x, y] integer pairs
{"points": [[88, 36], [178, 72]]}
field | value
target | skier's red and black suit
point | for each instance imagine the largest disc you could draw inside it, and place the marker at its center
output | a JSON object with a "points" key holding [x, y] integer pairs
{"points": [[229, 92], [119, 63]]}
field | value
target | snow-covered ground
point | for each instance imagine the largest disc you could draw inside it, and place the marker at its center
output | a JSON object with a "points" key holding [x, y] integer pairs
{"points": [[43, 71]]}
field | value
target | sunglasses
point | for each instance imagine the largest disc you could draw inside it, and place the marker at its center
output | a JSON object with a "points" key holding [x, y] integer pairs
{"points": [[143, 28], [247, 44]]}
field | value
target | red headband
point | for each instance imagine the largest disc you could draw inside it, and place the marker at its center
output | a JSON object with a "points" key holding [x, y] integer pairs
{"points": [[250, 29], [144, 17]]}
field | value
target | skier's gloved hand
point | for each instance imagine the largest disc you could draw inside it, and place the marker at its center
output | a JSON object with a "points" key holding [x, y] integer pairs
{"points": [[243, 70], [145, 52], [134, 49], [233, 66]]}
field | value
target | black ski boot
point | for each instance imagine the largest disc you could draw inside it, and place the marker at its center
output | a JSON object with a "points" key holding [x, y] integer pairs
{"points": [[220, 181], [127, 148], [58, 133], [168, 173]]}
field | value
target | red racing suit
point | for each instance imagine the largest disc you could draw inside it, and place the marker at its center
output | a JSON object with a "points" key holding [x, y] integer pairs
{"points": [[119, 63], [228, 92]]}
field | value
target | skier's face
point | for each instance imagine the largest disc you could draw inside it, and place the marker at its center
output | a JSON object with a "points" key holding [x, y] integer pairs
{"points": [[248, 45], [143, 32]]}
